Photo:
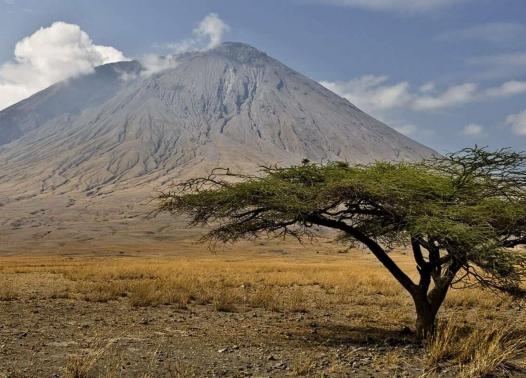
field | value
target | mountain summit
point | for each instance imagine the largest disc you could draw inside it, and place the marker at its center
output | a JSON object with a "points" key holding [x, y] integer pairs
{"points": [[231, 106]]}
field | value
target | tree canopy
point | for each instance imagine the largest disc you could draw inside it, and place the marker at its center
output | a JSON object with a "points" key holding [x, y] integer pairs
{"points": [[462, 215]]}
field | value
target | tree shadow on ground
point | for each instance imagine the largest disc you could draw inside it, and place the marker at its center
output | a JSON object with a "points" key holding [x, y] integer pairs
{"points": [[333, 334]]}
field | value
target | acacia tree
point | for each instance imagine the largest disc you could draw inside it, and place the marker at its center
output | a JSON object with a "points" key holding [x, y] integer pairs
{"points": [[462, 215]]}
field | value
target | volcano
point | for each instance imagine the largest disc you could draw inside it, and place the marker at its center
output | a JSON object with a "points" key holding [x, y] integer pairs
{"points": [[80, 160], [231, 106]]}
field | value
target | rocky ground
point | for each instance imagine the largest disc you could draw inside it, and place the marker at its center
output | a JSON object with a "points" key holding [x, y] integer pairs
{"points": [[45, 338]]}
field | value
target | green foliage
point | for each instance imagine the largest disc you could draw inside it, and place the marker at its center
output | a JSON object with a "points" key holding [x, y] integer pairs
{"points": [[467, 210]]}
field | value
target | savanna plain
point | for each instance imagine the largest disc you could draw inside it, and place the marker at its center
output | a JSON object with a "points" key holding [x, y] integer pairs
{"points": [[264, 308]]}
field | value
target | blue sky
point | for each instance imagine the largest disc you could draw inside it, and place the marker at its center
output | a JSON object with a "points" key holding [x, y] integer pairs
{"points": [[448, 73]]}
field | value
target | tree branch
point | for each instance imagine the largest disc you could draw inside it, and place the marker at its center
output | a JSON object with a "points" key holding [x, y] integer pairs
{"points": [[439, 292], [373, 246], [417, 253], [514, 242]]}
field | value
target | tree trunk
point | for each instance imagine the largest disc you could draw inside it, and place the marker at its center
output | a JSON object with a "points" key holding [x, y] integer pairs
{"points": [[425, 318]]}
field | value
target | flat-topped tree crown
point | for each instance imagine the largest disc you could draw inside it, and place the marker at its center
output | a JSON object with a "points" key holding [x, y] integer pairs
{"points": [[461, 215]]}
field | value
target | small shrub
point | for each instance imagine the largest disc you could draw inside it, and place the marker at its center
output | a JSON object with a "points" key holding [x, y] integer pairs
{"points": [[296, 300], [304, 365], [265, 297], [224, 301], [78, 367]]}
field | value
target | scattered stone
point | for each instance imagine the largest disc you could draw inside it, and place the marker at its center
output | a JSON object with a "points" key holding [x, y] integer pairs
{"points": [[21, 335], [406, 331], [62, 344]]}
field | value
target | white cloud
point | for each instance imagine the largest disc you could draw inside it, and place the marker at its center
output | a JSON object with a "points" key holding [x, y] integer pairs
{"points": [[468, 93], [406, 129], [63, 50], [499, 65], [208, 34], [509, 88], [452, 96], [374, 93], [409, 129], [495, 32], [394, 5], [153, 63], [49, 55], [371, 93], [211, 27], [427, 87], [517, 123], [473, 129]]}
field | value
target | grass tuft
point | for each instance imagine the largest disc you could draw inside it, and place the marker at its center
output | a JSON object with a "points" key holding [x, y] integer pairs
{"points": [[481, 352], [224, 301], [7, 291], [82, 366]]}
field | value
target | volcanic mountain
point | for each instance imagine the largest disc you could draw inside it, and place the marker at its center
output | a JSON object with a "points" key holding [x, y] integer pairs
{"points": [[124, 130], [232, 106]]}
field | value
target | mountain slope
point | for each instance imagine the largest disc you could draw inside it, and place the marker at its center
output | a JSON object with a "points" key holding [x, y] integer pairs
{"points": [[68, 97], [230, 106]]}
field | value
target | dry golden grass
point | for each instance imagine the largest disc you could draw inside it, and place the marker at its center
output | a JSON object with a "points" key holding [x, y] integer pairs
{"points": [[480, 352], [304, 365], [271, 284], [354, 284], [7, 290], [274, 284], [225, 300], [82, 366]]}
